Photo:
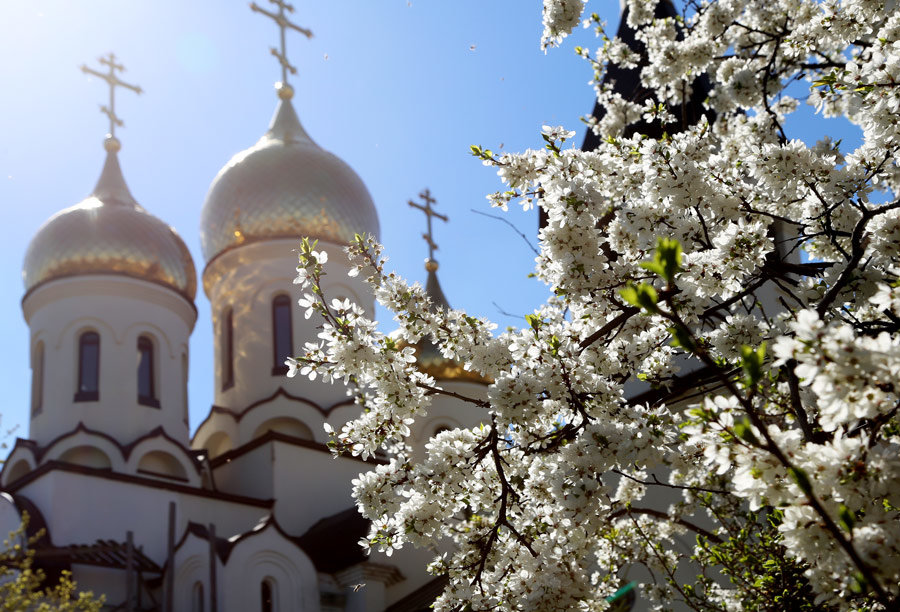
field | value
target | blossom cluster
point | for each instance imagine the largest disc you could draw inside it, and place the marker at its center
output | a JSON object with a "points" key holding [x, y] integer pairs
{"points": [[708, 404]]}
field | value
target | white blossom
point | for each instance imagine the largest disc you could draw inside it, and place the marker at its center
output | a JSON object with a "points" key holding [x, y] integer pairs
{"points": [[755, 391]]}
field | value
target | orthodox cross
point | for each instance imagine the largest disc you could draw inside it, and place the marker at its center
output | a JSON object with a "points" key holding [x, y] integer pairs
{"points": [[113, 81], [429, 213], [283, 24]]}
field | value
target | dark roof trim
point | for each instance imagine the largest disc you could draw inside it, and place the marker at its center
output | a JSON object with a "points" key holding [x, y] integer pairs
{"points": [[274, 436], [37, 524], [150, 483], [225, 546], [39, 532], [40, 452], [237, 415], [333, 542]]}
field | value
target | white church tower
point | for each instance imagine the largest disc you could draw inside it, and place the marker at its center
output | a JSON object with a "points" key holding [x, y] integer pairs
{"points": [[110, 307], [259, 206]]}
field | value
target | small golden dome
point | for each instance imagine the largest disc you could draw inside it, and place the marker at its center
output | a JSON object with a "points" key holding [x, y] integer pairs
{"points": [[285, 186], [428, 357], [109, 233]]}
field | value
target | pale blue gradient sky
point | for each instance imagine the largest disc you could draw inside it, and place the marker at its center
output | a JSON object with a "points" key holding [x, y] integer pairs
{"points": [[397, 89]]}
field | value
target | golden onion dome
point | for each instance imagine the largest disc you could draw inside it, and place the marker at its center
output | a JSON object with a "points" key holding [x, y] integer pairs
{"points": [[428, 356], [109, 233], [285, 186]]}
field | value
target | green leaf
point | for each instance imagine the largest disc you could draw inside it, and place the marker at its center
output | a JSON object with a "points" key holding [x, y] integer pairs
{"points": [[681, 337], [859, 583], [847, 518], [666, 260], [534, 321], [643, 296], [802, 480], [751, 362], [744, 431]]}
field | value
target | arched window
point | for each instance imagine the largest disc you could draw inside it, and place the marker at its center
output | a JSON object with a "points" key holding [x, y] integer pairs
{"points": [[146, 373], [88, 367], [267, 596], [184, 385], [227, 344], [197, 596], [282, 335], [37, 379]]}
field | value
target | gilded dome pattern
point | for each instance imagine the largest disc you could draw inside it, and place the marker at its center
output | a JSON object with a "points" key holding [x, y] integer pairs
{"points": [[285, 186], [428, 356], [110, 233]]}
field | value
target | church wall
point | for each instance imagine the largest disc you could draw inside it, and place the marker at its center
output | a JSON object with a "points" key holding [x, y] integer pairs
{"points": [[246, 279], [311, 484], [107, 509], [269, 414], [248, 473], [104, 581], [120, 310]]}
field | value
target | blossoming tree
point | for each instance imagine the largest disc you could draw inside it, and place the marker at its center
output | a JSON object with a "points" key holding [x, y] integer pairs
{"points": [[709, 403]]}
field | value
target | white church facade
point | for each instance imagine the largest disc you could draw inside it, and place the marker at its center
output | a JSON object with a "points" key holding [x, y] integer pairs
{"points": [[252, 512]]}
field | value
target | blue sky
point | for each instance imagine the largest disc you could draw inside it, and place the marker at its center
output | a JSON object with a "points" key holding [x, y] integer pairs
{"points": [[397, 89]]}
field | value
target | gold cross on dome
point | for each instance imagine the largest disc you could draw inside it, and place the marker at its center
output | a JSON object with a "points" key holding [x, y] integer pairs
{"points": [[429, 213], [284, 24], [113, 81]]}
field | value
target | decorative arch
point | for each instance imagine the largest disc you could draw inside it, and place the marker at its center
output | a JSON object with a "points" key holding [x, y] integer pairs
{"points": [[162, 464], [160, 336], [283, 577], [84, 323], [267, 290], [188, 574], [218, 443], [285, 425], [19, 469], [87, 456], [78, 437]]}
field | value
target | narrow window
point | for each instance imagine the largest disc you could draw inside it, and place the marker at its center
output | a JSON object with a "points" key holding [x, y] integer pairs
{"points": [[88, 367], [146, 373], [266, 592], [281, 334], [198, 597], [37, 379], [228, 349], [184, 385]]}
